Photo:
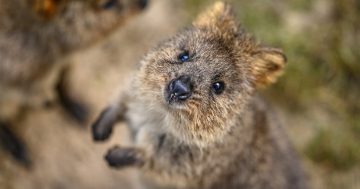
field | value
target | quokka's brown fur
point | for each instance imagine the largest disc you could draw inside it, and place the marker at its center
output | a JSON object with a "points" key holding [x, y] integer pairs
{"points": [[34, 34], [218, 133]]}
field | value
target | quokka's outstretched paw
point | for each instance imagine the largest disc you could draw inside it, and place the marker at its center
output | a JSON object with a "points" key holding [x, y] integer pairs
{"points": [[119, 157], [102, 128]]}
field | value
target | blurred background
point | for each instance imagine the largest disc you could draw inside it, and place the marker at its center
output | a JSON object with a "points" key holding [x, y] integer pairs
{"points": [[317, 98]]}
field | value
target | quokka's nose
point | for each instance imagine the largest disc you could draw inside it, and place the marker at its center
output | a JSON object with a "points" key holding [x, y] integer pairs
{"points": [[180, 89]]}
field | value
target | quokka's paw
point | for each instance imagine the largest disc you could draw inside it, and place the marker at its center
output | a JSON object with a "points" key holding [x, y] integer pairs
{"points": [[102, 128], [119, 157]]}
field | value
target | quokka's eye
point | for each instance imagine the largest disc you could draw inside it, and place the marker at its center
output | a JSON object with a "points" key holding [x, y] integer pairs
{"points": [[218, 87], [108, 4], [184, 56]]}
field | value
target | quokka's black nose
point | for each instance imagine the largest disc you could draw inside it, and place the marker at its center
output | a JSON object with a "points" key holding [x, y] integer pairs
{"points": [[179, 89]]}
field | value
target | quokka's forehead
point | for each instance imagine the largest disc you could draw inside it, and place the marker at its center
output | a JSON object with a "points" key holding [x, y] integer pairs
{"points": [[196, 42]]}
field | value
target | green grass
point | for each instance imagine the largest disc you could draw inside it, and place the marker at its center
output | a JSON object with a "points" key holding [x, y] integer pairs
{"points": [[335, 150]]}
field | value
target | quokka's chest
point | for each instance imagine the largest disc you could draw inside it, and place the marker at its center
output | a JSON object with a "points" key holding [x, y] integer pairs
{"points": [[141, 121]]}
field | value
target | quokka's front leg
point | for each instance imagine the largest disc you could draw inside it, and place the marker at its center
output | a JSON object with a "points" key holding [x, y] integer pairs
{"points": [[102, 128], [119, 157]]}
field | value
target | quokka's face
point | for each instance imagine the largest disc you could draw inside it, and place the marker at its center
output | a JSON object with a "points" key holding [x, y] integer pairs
{"points": [[203, 78], [197, 80]]}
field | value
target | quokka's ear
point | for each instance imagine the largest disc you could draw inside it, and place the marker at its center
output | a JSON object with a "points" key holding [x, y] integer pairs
{"points": [[47, 8], [267, 65], [219, 15]]}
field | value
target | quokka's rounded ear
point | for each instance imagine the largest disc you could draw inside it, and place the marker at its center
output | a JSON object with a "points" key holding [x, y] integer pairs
{"points": [[46, 8], [220, 15], [267, 65]]}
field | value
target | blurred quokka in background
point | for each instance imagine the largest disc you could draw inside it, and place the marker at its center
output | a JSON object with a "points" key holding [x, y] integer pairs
{"points": [[196, 118], [34, 35]]}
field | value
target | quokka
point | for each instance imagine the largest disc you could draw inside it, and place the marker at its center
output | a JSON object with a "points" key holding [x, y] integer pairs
{"points": [[34, 35], [195, 115]]}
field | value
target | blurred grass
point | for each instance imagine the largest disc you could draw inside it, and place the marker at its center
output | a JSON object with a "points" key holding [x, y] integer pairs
{"points": [[335, 150], [321, 39]]}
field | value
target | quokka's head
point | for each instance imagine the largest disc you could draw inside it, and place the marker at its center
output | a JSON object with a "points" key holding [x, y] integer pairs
{"points": [[203, 78], [79, 22]]}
